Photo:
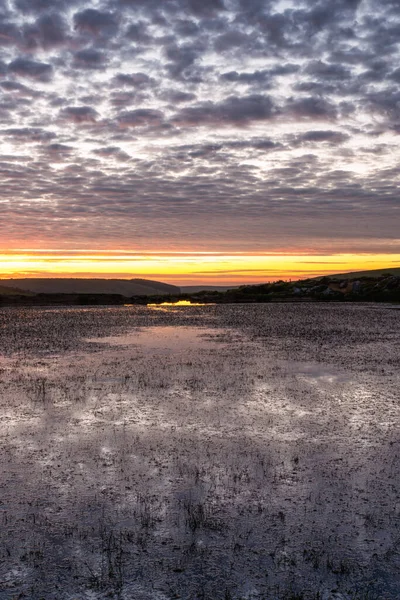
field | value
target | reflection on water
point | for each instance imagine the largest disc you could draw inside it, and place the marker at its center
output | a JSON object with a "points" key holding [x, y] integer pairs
{"points": [[172, 306], [168, 338], [318, 372]]}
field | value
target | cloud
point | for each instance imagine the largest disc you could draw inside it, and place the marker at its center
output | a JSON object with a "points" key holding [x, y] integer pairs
{"points": [[79, 114], [233, 110], [29, 134], [257, 77], [327, 70], [112, 152], [313, 107], [16, 87], [138, 32], [197, 8], [232, 39], [181, 59], [177, 96], [38, 6], [205, 7], [24, 67], [58, 148], [95, 22], [137, 80], [49, 31], [56, 152], [186, 28], [202, 106], [140, 118], [332, 137], [89, 58], [9, 34]]}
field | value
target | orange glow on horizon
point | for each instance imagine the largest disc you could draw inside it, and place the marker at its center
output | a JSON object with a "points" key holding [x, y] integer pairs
{"points": [[188, 268]]}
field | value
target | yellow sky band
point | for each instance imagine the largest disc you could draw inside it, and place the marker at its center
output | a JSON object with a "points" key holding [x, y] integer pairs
{"points": [[190, 267]]}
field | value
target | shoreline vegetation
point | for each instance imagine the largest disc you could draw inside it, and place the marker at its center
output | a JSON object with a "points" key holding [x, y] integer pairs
{"points": [[339, 288]]}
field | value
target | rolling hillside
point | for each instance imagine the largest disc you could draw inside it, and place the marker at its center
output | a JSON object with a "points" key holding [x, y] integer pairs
{"points": [[10, 291], [124, 287], [372, 273]]}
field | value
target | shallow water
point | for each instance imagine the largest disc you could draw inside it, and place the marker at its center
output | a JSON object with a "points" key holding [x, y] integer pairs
{"points": [[222, 452], [165, 339]]}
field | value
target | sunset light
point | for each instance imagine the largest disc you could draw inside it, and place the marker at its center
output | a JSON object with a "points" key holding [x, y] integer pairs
{"points": [[190, 268]]}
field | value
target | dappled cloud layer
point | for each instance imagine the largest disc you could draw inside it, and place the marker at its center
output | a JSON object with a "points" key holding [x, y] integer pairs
{"points": [[221, 124]]}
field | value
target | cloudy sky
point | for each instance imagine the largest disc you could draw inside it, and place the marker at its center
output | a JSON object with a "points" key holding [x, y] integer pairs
{"points": [[199, 140]]}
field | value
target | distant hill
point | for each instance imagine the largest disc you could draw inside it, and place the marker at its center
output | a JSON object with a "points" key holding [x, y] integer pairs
{"points": [[10, 291], [354, 288], [193, 289], [124, 287], [358, 274]]}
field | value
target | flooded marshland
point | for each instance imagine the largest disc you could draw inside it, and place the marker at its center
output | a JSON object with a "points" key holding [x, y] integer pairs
{"points": [[211, 453]]}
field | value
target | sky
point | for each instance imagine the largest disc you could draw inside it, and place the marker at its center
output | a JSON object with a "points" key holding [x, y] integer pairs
{"points": [[199, 141]]}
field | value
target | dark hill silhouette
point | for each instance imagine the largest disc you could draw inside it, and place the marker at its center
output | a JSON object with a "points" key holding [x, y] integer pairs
{"points": [[124, 287], [11, 291], [193, 289], [371, 273]]}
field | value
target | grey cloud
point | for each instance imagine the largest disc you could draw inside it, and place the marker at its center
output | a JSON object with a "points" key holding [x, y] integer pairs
{"points": [[199, 8], [89, 59], [386, 102], [29, 134], [182, 58], [16, 87], [353, 55], [140, 118], [333, 137], [395, 75], [37, 6], [49, 31], [233, 39], [139, 80], [205, 7], [9, 34], [206, 151], [95, 22], [277, 28], [79, 114], [138, 32], [255, 143], [312, 107], [383, 34], [327, 70], [62, 148], [24, 67], [233, 110], [126, 98], [316, 87], [249, 78], [176, 96], [322, 15], [56, 153], [376, 71], [186, 28], [112, 152]]}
